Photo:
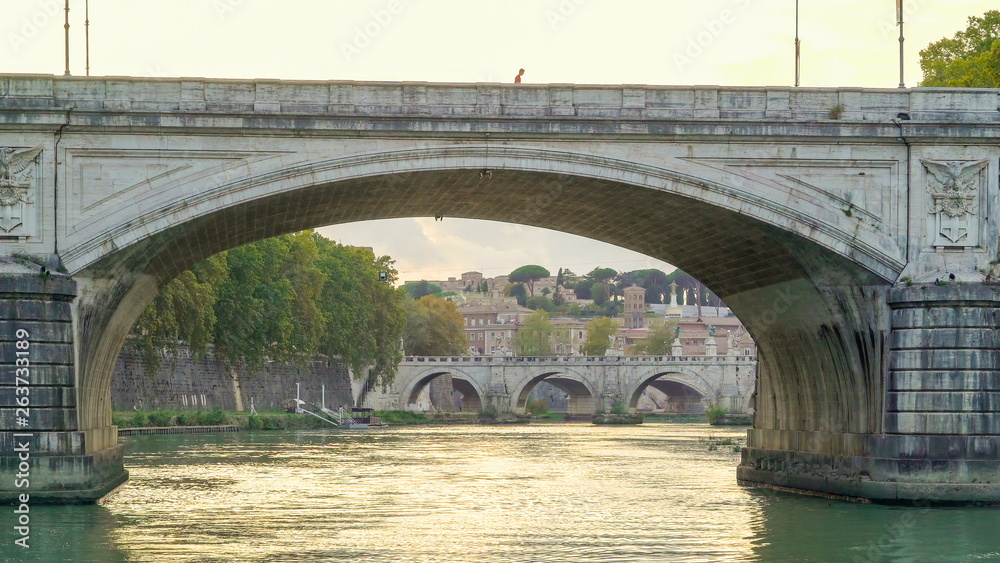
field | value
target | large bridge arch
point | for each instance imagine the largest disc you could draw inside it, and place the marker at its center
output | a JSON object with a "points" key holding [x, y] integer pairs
{"points": [[801, 222], [465, 383], [582, 391], [799, 274]]}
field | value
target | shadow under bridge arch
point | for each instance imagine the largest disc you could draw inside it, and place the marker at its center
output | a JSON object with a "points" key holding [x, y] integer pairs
{"points": [[471, 391], [685, 392], [580, 392]]}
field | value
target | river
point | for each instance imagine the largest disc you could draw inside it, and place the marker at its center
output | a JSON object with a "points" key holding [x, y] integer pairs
{"points": [[484, 494]]}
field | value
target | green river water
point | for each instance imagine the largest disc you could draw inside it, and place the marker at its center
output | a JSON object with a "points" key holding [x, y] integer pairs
{"points": [[484, 494]]}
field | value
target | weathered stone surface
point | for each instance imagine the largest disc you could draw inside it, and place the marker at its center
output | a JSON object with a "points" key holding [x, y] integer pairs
{"points": [[37, 331], [69, 479], [42, 374], [53, 353], [39, 396], [944, 401], [39, 418], [966, 422], [954, 380]]}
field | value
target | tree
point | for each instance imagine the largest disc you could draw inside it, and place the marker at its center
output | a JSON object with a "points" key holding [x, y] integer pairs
{"points": [[518, 292], [569, 278], [484, 286], [528, 275], [599, 333], [541, 302], [286, 298], [434, 327], [365, 316], [971, 59], [533, 338], [657, 342], [184, 310], [416, 290], [652, 280], [254, 308]]}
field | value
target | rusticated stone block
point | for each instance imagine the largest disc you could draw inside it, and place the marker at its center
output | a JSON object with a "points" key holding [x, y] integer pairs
{"points": [[39, 352], [954, 380], [38, 331], [942, 423], [943, 401], [39, 396], [944, 359], [39, 418], [42, 374]]}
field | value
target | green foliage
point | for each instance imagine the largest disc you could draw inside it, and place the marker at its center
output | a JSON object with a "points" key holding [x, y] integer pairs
{"points": [[528, 275], [518, 292], [434, 327], [541, 302], [184, 310], [254, 422], [537, 406], [971, 59], [365, 317], [655, 282], [416, 290], [139, 420], [214, 417], [599, 332], [187, 419], [286, 298], [160, 418], [402, 417], [715, 413], [658, 341], [533, 338]]}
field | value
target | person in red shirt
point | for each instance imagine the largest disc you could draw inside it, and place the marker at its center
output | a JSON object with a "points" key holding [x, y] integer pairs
{"points": [[517, 79]]}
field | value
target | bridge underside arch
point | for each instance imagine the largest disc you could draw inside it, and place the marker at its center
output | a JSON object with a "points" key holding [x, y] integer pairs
{"points": [[580, 399], [472, 395], [818, 317], [682, 398]]}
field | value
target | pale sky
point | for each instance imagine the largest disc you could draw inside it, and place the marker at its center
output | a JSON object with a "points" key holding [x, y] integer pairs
{"points": [[713, 42]]}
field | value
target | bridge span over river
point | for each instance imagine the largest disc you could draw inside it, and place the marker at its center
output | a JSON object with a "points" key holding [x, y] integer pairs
{"points": [[591, 383], [853, 231]]}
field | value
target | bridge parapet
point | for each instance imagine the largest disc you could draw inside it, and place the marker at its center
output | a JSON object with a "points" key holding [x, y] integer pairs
{"points": [[576, 360], [144, 97]]}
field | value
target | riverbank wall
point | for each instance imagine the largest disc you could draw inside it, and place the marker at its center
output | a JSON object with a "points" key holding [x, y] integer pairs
{"points": [[184, 382]]}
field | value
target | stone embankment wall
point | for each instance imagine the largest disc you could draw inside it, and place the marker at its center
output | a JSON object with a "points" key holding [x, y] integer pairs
{"points": [[182, 382]]}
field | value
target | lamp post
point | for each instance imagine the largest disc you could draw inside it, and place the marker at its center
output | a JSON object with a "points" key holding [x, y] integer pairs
{"points": [[797, 51], [899, 22], [66, 26]]}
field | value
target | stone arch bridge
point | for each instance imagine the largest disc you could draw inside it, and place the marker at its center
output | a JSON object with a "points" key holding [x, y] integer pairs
{"points": [[854, 232], [591, 383]]}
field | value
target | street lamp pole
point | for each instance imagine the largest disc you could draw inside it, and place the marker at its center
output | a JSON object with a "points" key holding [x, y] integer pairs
{"points": [[66, 26], [797, 52], [899, 22]]}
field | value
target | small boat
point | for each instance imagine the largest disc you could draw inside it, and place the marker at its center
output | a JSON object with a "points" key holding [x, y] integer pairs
{"points": [[360, 418]]}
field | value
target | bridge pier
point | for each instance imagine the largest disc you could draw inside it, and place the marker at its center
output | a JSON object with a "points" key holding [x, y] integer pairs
{"points": [[940, 440], [44, 450]]}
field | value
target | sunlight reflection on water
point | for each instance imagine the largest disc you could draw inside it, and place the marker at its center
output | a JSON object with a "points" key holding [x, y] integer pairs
{"points": [[484, 494]]}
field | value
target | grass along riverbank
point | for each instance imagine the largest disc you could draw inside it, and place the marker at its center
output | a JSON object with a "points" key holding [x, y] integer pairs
{"points": [[271, 420]]}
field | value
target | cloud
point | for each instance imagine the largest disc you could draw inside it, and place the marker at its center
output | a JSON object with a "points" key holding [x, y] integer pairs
{"points": [[427, 249]]}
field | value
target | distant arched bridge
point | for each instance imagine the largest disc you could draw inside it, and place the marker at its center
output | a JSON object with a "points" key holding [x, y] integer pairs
{"points": [[592, 383]]}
